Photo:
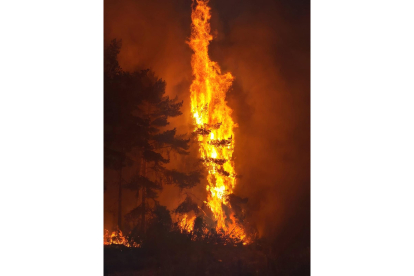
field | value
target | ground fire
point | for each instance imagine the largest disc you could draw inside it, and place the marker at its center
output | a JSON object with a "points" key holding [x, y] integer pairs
{"points": [[116, 237]]}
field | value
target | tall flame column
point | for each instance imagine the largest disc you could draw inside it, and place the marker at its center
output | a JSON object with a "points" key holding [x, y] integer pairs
{"points": [[214, 124]]}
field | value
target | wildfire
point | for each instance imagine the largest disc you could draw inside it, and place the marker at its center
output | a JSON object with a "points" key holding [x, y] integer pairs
{"points": [[214, 125]]}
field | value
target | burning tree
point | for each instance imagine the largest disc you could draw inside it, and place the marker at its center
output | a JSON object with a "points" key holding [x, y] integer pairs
{"points": [[213, 123]]}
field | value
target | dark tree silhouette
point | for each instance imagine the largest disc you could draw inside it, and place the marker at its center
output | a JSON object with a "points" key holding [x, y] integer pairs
{"points": [[136, 117]]}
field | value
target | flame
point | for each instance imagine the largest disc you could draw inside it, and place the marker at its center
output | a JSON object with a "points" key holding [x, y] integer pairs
{"points": [[116, 237], [213, 121], [187, 224]]}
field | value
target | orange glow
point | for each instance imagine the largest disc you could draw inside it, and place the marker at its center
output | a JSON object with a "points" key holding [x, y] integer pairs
{"points": [[214, 125]]}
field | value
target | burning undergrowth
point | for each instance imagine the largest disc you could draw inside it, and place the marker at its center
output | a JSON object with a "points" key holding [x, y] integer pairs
{"points": [[188, 221]]}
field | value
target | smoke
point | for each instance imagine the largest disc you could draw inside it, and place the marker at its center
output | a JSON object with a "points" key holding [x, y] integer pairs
{"points": [[153, 36], [265, 45]]}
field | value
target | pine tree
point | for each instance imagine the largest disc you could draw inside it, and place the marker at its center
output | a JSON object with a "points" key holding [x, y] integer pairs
{"points": [[135, 119]]}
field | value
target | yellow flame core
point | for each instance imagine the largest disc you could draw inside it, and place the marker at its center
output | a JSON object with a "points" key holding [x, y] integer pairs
{"points": [[210, 111]]}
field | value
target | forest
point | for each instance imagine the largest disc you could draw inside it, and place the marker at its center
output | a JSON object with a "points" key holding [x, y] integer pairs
{"points": [[146, 237]]}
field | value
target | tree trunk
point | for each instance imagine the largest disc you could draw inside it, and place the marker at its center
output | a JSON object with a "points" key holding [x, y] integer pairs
{"points": [[139, 172], [120, 199], [144, 189], [143, 200]]}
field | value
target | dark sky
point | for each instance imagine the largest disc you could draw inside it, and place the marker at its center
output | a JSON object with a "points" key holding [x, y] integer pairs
{"points": [[266, 46]]}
